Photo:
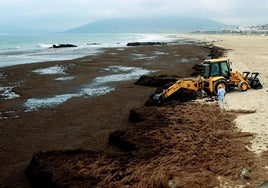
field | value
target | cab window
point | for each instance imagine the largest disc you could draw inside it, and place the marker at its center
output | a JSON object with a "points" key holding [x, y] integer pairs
{"points": [[207, 71], [215, 70], [224, 69]]}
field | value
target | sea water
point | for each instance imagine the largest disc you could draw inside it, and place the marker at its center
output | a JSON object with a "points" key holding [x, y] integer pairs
{"points": [[22, 49]]}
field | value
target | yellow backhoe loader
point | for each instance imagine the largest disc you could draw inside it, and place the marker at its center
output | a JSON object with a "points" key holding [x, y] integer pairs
{"points": [[215, 72]]}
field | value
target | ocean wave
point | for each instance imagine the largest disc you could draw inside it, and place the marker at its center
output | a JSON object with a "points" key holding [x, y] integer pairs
{"points": [[44, 45], [26, 49], [9, 48]]}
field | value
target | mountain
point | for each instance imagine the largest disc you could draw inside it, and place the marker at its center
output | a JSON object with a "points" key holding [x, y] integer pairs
{"points": [[148, 25]]}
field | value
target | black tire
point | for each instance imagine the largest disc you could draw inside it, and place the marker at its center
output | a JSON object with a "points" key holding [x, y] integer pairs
{"points": [[242, 86], [220, 82]]}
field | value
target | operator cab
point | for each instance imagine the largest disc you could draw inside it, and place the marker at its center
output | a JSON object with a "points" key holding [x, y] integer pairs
{"points": [[217, 67]]}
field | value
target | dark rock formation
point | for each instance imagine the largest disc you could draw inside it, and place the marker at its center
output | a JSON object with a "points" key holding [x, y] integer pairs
{"points": [[145, 43], [63, 46]]}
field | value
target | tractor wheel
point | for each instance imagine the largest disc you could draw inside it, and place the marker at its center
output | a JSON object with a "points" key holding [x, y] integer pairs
{"points": [[221, 82], [243, 86]]}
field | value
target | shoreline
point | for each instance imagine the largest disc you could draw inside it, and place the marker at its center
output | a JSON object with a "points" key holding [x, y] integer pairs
{"points": [[38, 48], [80, 123]]}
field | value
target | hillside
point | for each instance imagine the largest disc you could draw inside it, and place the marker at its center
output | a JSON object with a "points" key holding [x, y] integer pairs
{"points": [[157, 24]]}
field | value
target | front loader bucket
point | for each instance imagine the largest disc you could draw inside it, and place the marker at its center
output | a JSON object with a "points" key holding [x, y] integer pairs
{"points": [[256, 84], [254, 81]]}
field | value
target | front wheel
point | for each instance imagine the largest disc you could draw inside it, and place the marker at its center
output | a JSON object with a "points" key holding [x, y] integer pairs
{"points": [[243, 86]]}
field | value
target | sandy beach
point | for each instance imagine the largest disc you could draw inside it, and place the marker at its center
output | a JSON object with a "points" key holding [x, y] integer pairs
{"points": [[248, 53], [113, 140]]}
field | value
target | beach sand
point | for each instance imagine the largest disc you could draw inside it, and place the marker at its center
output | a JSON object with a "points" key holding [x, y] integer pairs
{"points": [[170, 142], [248, 53]]}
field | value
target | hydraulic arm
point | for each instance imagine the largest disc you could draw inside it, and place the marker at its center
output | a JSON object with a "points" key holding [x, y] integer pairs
{"points": [[191, 85]]}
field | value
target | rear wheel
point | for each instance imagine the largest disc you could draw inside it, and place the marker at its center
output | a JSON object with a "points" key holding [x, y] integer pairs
{"points": [[243, 86], [221, 83]]}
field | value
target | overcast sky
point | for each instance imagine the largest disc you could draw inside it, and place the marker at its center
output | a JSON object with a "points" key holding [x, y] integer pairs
{"points": [[65, 14]]}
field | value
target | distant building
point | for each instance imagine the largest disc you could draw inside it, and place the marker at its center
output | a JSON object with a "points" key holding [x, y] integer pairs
{"points": [[261, 29]]}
